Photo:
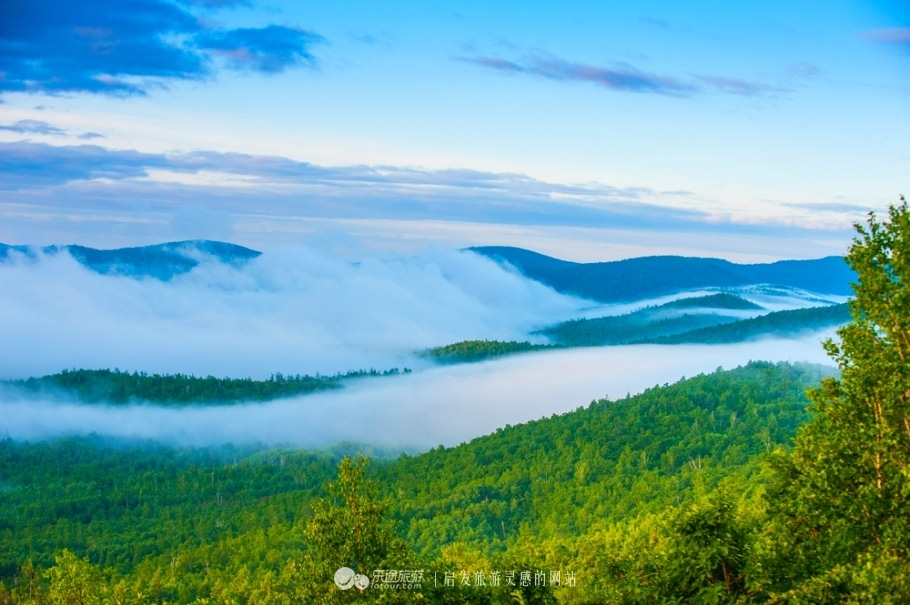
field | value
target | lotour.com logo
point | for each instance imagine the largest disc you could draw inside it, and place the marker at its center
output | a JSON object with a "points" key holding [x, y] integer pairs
{"points": [[346, 578]]}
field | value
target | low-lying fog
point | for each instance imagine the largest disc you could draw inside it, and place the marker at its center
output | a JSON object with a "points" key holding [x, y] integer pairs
{"points": [[292, 311], [440, 405]]}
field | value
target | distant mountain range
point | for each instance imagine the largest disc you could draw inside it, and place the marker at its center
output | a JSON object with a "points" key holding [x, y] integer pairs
{"points": [[617, 281], [162, 261], [652, 276]]}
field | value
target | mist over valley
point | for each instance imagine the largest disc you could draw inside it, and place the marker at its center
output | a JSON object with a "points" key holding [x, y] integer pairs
{"points": [[212, 309]]}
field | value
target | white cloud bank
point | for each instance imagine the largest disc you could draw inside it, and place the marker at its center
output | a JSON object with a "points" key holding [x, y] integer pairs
{"points": [[443, 405], [292, 311]]}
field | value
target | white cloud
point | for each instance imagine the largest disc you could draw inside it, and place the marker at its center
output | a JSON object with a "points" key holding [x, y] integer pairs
{"points": [[290, 311]]}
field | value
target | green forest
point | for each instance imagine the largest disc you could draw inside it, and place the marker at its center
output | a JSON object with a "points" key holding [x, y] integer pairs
{"points": [[116, 387], [768, 483], [131, 508], [469, 351]]}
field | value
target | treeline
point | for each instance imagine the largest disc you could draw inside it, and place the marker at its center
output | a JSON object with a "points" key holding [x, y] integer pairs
{"points": [[630, 328], [479, 350], [721, 300], [686, 321], [114, 386]]}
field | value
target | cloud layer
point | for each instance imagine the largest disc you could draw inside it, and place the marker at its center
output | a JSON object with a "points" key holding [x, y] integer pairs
{"points": [[897, 35], [621, 76], [127, 47], [103, 197], [313, 190], [32, 127], [291, 311], [446, 405]]}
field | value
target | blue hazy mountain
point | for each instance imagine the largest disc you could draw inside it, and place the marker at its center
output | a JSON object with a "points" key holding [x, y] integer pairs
{"points": [[679, 316], [625, 280], [780, 324], [161, 261], [652, 276]]}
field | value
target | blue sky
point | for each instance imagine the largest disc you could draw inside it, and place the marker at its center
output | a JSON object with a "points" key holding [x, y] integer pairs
{"points": [[587, 130]]}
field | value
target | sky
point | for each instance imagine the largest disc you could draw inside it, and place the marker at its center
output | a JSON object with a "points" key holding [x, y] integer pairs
{"points": [[751, 131]]}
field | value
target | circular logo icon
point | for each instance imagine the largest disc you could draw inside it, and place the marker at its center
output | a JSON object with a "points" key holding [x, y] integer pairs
{"points": [[346, 578]]}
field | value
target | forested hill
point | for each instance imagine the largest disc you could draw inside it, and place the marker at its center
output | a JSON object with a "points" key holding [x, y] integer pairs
{"points": [[136, 510], [161, 261], [652, 276], [780, 324], [116, 387], [606, 462]]}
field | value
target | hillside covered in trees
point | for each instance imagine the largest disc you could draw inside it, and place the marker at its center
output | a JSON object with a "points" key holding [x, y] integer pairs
{"points": [[770, 483], [116, 387], [132, 509], [686, 323], [652, 276]]}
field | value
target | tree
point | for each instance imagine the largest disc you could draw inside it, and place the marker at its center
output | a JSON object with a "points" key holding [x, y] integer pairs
{"points": [[841, 502], [75, 581], [349, 529]]}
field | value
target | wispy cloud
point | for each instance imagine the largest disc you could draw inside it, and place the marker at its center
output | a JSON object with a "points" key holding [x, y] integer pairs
{"points": [[621, 76], [90, 181], [803, 69], [655, 22], [737, 86], [900, 35], [841, 207], [25, 165], [217, 4], [45, 128], [28, 165], [32, 127], [124, 47]]}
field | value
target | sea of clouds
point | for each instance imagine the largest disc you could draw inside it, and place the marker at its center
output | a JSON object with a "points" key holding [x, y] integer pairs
{"points": [[299, 311], [292, 311]]}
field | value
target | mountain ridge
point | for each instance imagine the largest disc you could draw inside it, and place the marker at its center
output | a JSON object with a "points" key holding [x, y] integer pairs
{"points": [[161, 261], [610, 281], [652, 276]]}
